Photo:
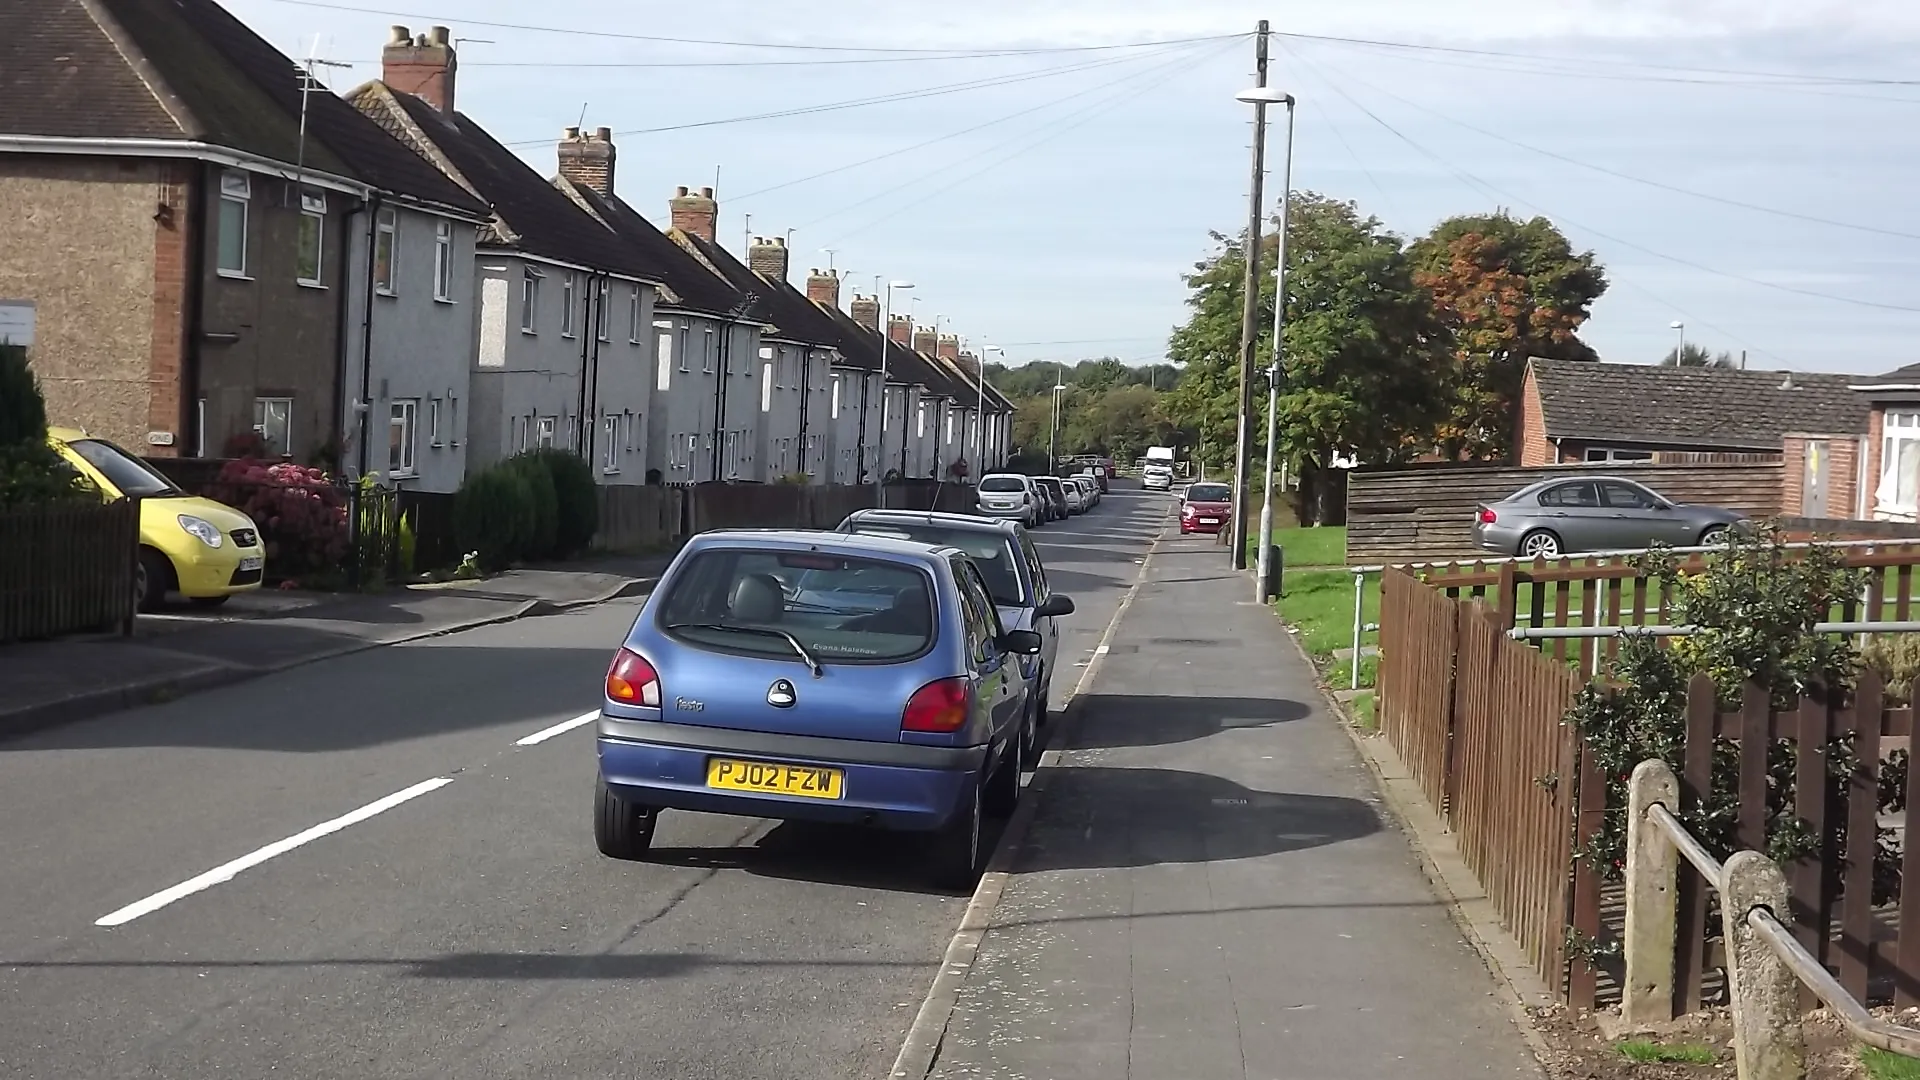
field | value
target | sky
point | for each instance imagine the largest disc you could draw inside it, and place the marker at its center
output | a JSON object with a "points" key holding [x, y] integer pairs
{"points": [[1048, 199]]}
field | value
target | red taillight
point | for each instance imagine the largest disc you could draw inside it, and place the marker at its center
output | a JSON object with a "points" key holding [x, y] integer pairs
{"points": [[1487, 517], [632, 681], [940, 707]]}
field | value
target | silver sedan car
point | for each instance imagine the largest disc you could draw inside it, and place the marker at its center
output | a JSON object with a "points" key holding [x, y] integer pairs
{"points": [[1571, 514]]}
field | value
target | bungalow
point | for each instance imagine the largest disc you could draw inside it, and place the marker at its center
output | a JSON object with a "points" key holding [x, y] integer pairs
{"points": [[198, 225], [1891, 459], [563, 353]]}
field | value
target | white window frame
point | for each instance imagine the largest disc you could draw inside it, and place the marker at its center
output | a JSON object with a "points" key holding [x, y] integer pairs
{"points": [[543, 432], [634, 308], [236, 188], [386, 232], [1899, 427], [1608, 453], [569, 295], [706, 354], [530, 300], [313, 208], [263, 422], [601, 323], [443, 261], [404, 416], [610, 453], [834, 414], [434, 438]]}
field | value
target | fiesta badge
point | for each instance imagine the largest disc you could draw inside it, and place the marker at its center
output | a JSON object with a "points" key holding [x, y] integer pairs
{"points": [[780, 695]]}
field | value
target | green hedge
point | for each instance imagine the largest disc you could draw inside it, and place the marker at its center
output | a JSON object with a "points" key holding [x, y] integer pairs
{"points": [[493, 515], [532, 506], [579, 500]]}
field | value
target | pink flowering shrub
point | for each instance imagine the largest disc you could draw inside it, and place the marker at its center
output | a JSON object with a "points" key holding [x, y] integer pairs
{"points": [[301, 514]]}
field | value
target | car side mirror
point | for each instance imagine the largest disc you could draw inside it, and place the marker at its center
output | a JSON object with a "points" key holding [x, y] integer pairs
{"points": [[1024, 642], [1055, 605]]}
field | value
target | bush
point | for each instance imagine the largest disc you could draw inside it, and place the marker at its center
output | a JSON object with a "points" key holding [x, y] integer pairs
{"points": [[493, 515], [302, 515], [579, 500], [545, 538], [30, 470], [23, 412]]}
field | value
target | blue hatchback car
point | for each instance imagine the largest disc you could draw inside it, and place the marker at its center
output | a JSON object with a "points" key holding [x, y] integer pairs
{"points": [[816, 676]]}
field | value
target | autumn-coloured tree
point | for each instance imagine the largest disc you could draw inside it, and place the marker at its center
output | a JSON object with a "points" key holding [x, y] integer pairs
{"points": [[1508, 290]]}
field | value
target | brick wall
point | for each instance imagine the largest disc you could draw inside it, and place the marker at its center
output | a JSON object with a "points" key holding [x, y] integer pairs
{"points": [[1532, 448], [1876, 427], [79, 238], [1842, 466], [1793, 461], [168, 351]]}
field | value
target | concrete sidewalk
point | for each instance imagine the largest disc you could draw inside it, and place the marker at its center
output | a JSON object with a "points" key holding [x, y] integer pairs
{"points": [[1211, 888], [179, 652]]}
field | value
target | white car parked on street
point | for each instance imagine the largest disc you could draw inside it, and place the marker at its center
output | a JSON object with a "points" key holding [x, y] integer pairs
{"points": [[1012, 495]]}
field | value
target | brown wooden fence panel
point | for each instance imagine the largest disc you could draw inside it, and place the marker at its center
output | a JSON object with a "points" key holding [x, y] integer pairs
{"points": [[1416, 678], [67, 568], [1510, 804], [1426, 512]]}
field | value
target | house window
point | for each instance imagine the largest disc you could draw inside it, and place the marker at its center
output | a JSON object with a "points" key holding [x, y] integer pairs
{"points": [[236, 189], [633, 316], [386, 250], [401, 427], [920, 421], [600, 316], [706, 354], [663, 359], [610, 455], [529, 298], [443, 261], [433, 422], [312, 243], [835, 413], [1899, 488], [569, 293], [544, 436], [1603, 453], [273, 421]]}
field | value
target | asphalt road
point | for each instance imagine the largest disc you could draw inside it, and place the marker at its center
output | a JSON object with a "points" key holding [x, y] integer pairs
{"points": [[383, 866]]}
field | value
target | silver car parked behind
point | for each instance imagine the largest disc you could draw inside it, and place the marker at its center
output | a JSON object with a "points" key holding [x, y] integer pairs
{"points": [[1594, 513]]}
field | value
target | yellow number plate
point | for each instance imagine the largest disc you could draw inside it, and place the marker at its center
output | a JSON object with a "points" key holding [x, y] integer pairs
{"points": [[807, 781]]}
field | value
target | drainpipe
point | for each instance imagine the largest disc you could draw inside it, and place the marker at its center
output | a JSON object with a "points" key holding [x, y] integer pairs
{"points": [[590, 367], [860, 440], [588, 335], [806, 399], [196, 218], [720, 401], [341, 333], [366, 329]]}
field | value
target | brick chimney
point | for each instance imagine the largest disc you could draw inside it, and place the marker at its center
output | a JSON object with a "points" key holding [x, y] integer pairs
{"points": [[949, 347], [823, 288], [587, 160], [694, 213], [768, 257], [970, 364], [900, 329], [925, 339], [422, 66], [865, 311]]}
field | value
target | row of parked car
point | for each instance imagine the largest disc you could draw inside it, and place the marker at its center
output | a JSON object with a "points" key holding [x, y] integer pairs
{"points": [[893, 672], [1035, 500]]}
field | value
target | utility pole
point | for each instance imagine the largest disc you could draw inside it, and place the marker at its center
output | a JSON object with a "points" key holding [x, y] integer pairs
{"points": [[1250, 310]]}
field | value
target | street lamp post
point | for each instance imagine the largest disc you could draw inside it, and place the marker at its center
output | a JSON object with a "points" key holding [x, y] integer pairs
{"points": [[1265, 560], [886, 337], [1679, 351], [980, 416], [1053, 435]]}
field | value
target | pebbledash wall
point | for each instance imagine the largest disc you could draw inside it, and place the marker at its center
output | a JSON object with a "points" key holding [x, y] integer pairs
{"points": [[100, 247]]}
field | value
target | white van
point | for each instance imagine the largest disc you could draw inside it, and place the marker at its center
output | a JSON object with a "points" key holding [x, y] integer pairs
{"points": [[1157, 473]]}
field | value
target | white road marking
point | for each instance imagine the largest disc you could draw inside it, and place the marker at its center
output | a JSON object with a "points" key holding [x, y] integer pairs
{"points": [[1101, 651], [227, 871], [560, 728]]}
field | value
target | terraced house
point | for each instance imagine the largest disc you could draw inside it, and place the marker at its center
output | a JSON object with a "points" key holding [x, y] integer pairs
{"points": [[190, 217]]}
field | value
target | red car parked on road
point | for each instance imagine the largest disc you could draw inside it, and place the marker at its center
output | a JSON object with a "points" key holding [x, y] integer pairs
{"points": [[1205, 508]]}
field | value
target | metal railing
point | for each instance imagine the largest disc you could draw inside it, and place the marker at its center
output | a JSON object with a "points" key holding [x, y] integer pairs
{"points": [[1766, 965]]}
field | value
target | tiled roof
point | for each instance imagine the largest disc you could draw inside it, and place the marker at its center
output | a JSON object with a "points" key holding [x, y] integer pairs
{"points": [[691, 285], [1903, 376], [1687, 406], [538, 219], [789, 312], [157, 69]]}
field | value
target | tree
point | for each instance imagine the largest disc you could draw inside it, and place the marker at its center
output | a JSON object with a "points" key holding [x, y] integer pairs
{"points": [[1508, 290], [31, 471], [1691, 355], [1365, 354]]}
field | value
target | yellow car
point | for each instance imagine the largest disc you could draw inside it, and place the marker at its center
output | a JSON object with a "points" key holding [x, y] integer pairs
{"points": [[204, 550]]}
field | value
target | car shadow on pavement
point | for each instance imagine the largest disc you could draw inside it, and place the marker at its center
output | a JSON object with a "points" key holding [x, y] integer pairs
{"points": [[1096, 817], [1110, 721], [829, 855], [1073, 582]]}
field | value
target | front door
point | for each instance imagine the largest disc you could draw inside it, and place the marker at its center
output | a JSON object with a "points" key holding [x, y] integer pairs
{"points": [[1813, 481]]}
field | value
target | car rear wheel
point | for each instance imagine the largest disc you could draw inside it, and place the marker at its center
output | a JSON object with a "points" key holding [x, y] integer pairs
{"points": [[1003, 788], [621, 830], [956, 854], [1715, 536], [1539, 544]]}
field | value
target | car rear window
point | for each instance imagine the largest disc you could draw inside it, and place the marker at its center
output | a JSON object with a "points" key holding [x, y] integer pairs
{"points": [[1209, 493], [992, 552], [840, 609], [1003, 483]]}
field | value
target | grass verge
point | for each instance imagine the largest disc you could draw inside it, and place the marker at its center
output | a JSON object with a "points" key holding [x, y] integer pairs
{"points": [[1317, 546], [1648, 1052], [1881, 1065]]}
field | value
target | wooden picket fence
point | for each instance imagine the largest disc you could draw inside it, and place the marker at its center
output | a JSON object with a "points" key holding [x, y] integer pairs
{"points": [[67, 567]]}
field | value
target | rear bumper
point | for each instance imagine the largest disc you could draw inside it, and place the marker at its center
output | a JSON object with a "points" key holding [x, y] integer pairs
{"points": [[893, 785], [1009, 513], [1498, 539]]}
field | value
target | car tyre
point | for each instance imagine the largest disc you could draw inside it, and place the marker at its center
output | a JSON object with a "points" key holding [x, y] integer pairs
{"points": [[956, 855], [1714, 536], [152, 577], [1042, 710], [1003, 787], [1539, 544], [621, 830]]}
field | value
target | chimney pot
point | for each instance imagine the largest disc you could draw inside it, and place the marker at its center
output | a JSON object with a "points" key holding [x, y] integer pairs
{"points": [[420, 41], [423, 65], [572, 132], [604, 134], [399, 35], [706, 193], [439, 35], [680, 192]]}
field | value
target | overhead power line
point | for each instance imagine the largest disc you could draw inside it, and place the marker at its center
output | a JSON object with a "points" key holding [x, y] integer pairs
{"points": [[464, 20]]}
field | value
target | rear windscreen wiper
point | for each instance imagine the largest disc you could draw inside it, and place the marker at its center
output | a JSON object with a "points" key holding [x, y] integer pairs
{"points": [[799, 649]]}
